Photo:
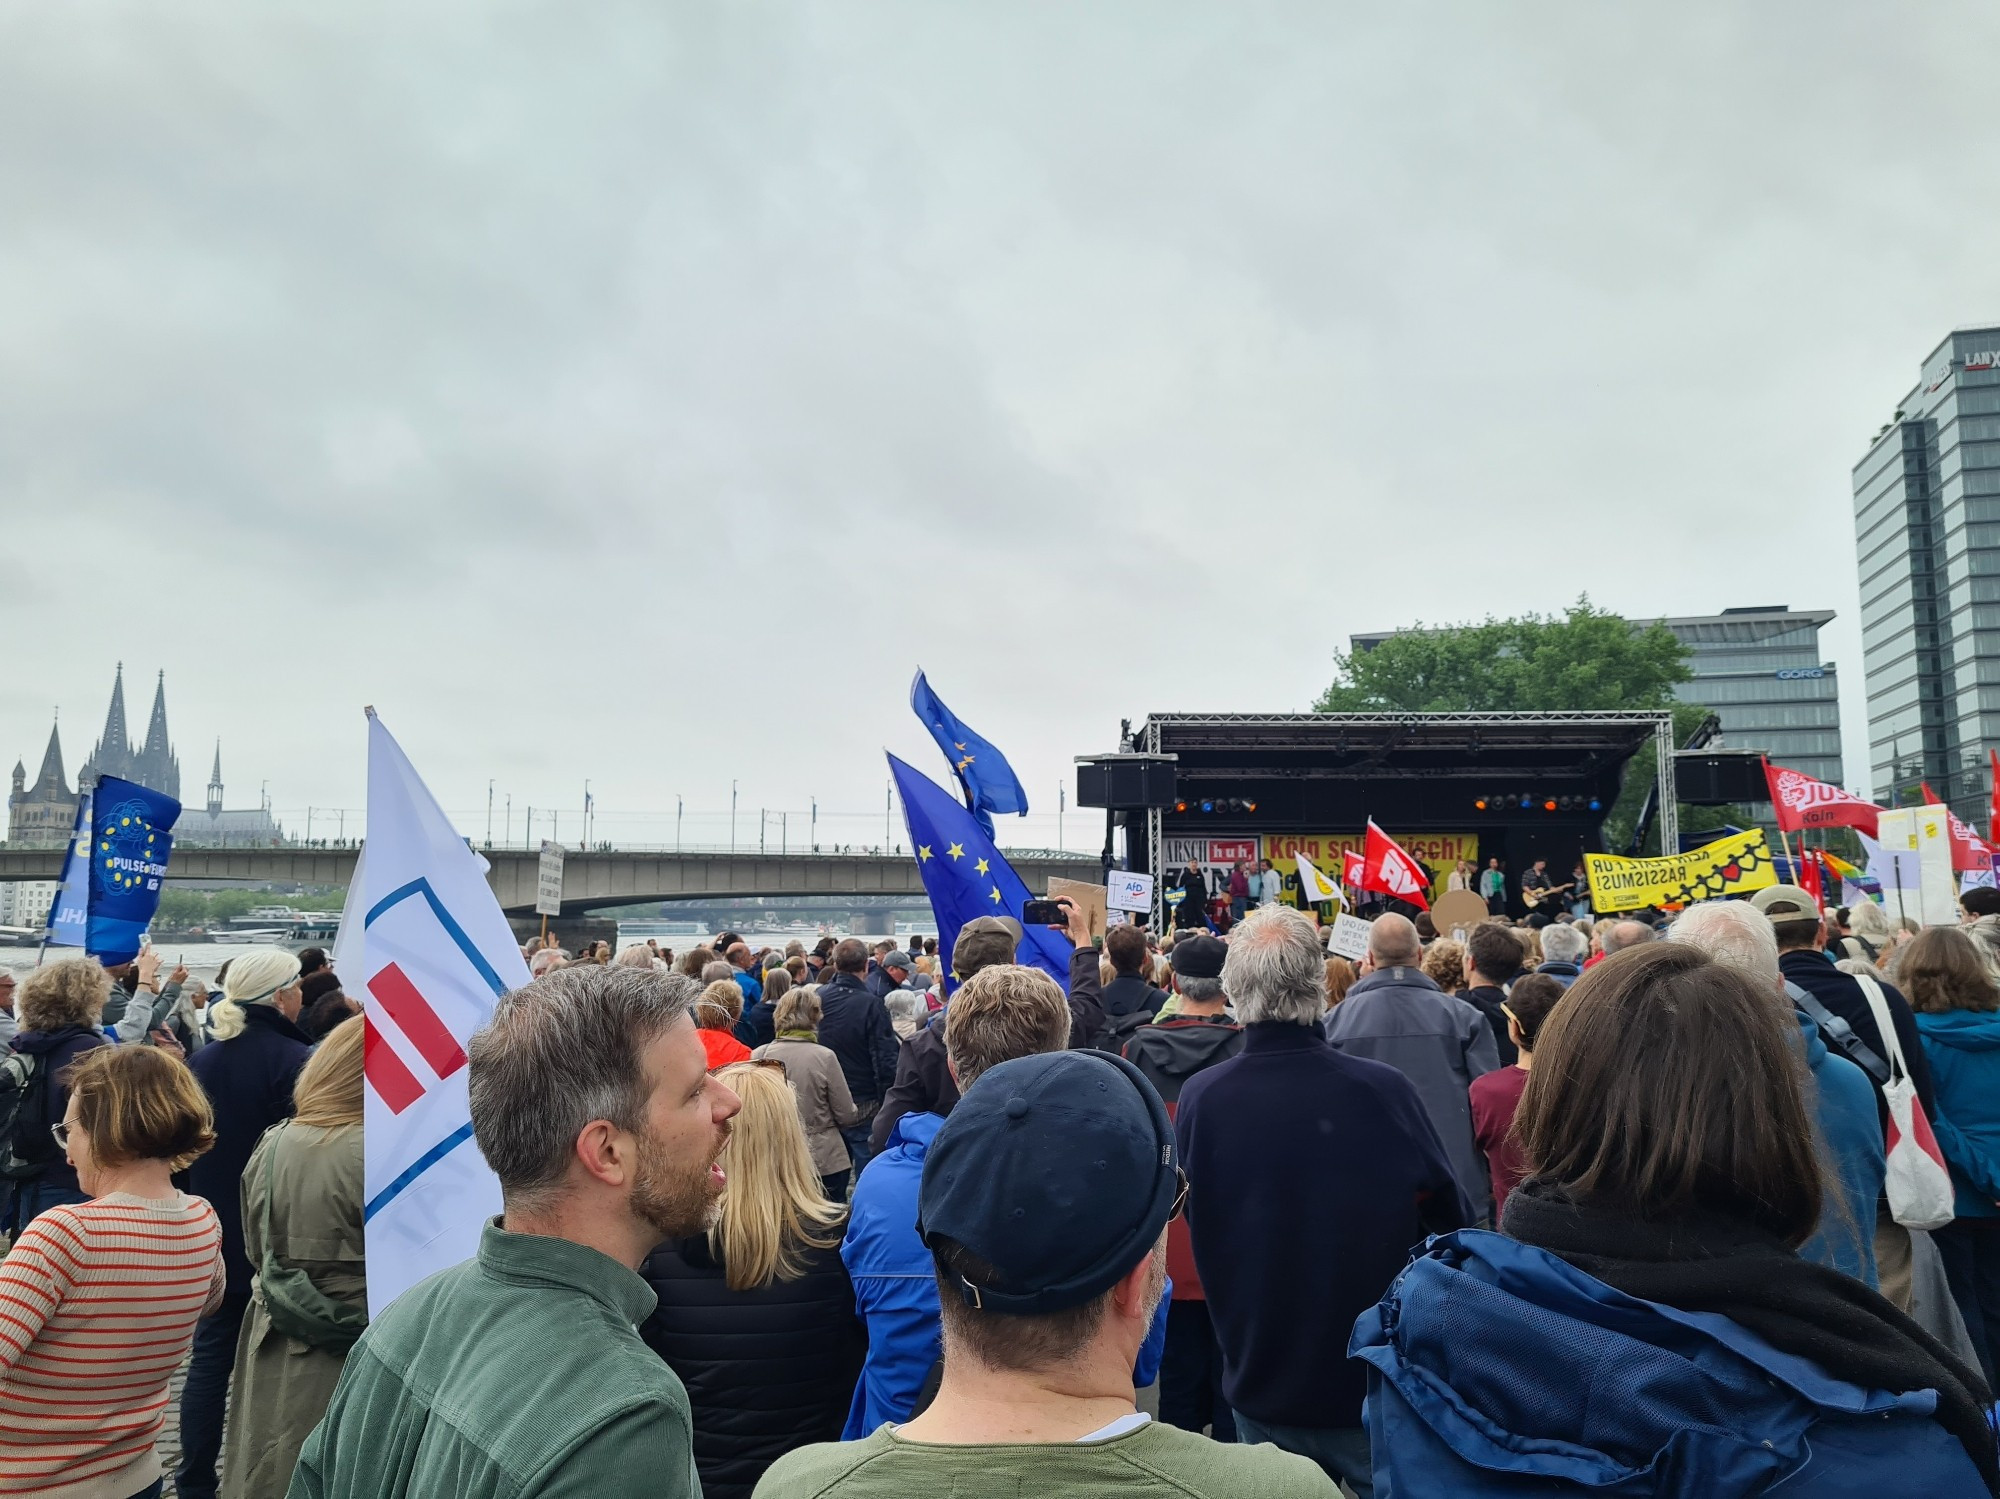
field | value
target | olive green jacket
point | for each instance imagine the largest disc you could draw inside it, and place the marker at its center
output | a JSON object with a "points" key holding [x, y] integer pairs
{"points": [[516, 1375]]}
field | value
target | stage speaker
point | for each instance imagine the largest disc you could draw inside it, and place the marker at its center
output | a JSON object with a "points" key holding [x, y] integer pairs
{"points": [[1125, 783], [1720, 778]]}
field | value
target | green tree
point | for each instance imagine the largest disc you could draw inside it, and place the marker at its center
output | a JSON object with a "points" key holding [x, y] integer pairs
{"points": [[1583, 660]]}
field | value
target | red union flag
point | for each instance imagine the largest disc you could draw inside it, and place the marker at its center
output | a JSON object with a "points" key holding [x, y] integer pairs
{"points": [[1386, 867], [1993, 815], [1968, 849], [1801, 802], [1352, 867]]}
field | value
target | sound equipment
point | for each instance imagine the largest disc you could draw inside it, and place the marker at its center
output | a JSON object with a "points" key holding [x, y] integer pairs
{"points": [[1125, 783]]}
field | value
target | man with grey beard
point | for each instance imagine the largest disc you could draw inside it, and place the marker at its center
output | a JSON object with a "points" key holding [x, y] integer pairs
{"points": [[520, 1372]]}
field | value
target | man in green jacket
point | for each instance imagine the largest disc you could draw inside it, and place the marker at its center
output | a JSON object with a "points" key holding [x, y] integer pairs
{"points": [[520, 1372]]}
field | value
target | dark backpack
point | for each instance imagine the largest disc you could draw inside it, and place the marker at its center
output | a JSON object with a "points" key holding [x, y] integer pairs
{"points": [[1121, 1028], [27, 1147]]}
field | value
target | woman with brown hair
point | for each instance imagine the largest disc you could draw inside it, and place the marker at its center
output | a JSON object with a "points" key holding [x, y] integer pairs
{"points": [[1944, 974], [757, 1316], [100, 1298], [302, 1201], [1643, 1324]]}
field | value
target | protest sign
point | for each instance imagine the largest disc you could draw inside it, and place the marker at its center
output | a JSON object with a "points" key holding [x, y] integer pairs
{"points": [[1129, 891], [1734, 865], [1089, 899], [549, 880], [1349, 937]]}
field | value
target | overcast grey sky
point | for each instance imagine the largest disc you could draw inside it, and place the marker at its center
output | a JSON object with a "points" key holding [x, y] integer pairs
{"points": [[641, 392]]}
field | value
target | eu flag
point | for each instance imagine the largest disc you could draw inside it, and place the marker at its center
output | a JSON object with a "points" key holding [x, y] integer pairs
{"points": [[964, 875], [989, 781], [131, 836]]}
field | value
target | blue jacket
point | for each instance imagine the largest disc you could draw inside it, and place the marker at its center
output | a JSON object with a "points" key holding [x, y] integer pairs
{"points": [[750, 984], [1964, 1051], [895, 1284], [1844, 1106], [1496, 1370]]}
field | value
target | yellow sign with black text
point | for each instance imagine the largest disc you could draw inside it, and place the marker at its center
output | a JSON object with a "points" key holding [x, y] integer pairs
{"points": [[1735, 865]]}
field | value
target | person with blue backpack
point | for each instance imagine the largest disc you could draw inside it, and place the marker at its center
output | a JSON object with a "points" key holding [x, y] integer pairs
{"points": [[1642, 1324]]}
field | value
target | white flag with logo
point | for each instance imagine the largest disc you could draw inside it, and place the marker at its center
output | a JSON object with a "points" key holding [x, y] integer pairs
{"points": [[435, 955], [1314, 887]]}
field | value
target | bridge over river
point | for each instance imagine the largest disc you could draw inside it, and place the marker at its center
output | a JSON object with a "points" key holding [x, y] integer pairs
{"points": [[593, 880]]}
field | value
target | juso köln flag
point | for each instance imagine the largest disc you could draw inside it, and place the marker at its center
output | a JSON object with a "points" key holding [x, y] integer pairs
{"points": [[1993, 805], [989, 781], [435, 956], [1386, 866], [1734, 865], [1802, 802], [1968, 849], [1314, 887], [965, 876], [69, 912], [131, 838]]}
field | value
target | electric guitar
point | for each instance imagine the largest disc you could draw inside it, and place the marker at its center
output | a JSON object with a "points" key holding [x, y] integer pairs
{"points": [[1533, 898]]}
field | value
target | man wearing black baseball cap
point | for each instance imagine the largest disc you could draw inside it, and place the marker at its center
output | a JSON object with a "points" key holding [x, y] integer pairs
{"points": [[1044, 1203]]}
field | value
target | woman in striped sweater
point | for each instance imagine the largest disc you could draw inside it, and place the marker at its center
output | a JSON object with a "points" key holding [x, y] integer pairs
{"points": [[98, 1301]]}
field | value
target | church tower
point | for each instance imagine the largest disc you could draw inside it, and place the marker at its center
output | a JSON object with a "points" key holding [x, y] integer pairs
{"points": [[215, 783]]}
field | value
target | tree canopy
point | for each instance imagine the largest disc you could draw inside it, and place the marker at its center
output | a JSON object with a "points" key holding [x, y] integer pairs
{"points": [[1584, 659]]}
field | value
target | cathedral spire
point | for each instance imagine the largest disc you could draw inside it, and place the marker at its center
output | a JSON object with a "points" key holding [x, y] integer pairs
{"points": [[156, 729], [215, 783], [114, 750], [49, 784]]}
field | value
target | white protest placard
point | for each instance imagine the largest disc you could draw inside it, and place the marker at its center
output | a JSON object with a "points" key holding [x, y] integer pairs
{"points": [[1349, 937], [1129, 891], [548, 880]]}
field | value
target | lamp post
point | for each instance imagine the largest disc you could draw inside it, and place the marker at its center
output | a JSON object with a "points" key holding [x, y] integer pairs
{"points": [[489, 814], [732, 817], [679, 807]]}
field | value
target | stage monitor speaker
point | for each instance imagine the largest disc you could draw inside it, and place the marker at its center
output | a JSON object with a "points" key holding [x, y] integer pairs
{"points": [[1720, 778], [1126, 783]]}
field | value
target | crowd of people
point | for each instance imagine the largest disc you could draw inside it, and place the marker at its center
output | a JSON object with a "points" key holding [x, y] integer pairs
{"points": [[1570, 1207]]}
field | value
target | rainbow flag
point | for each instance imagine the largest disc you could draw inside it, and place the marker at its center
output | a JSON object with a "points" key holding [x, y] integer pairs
{"points": [[1849, 874]]}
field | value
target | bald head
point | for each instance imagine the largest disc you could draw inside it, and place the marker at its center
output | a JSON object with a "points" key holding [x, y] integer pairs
{"points": [[1393, 942], [1624, 934], [1734, 933]]}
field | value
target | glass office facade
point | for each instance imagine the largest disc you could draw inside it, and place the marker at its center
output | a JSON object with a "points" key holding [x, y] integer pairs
{"points": [[1927, 538], [1760, 670]]}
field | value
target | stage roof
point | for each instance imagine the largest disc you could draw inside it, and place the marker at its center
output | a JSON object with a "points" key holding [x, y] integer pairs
{"points": [[1544, 748]]}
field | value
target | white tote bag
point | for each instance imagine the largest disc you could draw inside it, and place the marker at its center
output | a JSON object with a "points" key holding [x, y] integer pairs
{"points": [[1919, 1183]]}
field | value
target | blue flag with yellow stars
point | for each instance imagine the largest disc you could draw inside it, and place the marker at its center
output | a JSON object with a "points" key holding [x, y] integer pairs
{"points": [[131, 836], [964, 875], [989, 781]]}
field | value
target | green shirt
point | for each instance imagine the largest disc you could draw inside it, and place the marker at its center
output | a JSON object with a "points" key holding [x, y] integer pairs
{"points": [[516, 1375], [1155, 1459]]}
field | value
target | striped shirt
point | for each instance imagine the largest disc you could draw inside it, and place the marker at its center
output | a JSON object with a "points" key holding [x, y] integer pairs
{"points": [[98, 1305]]}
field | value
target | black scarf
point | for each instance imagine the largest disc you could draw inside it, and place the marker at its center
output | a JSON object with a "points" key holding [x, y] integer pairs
{"points": [[1702, 1262]]}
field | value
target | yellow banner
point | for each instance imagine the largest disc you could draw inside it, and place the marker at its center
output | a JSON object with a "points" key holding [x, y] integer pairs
{"points": [[1734, 865], [1437, 852]]}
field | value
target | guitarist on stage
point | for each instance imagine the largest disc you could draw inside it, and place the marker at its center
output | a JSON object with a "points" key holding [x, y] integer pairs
{"points": [[1538, 890]]}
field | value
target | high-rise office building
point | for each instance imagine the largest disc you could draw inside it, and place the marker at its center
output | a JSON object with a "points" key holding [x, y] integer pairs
{"points": [[1760, 670], [1927, 536]]}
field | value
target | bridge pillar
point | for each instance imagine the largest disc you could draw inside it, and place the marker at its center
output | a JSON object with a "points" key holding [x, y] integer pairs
{"points": [[871, 923]]}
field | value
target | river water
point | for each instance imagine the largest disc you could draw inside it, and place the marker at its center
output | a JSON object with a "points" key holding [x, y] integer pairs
{"points": [[204, 958]]}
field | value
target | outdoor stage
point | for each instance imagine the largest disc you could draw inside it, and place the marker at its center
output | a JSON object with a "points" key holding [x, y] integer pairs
{"points": [[1512, 786]]}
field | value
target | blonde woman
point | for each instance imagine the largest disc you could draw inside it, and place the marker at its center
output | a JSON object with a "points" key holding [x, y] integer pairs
{"points": [[757, 1317], [248, 1069], [825, 1103], [302, 1199]]}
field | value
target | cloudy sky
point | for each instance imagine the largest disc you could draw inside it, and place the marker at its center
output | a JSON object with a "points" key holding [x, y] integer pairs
{"points": [[640, 392]]}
